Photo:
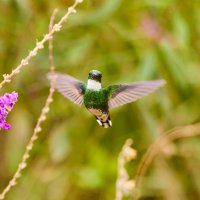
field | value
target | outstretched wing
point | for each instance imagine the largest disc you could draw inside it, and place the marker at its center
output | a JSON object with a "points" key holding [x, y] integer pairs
{"points": [[69, 87], [131, 92]]}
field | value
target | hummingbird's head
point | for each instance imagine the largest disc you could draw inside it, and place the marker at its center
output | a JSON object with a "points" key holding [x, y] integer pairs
{"points": [[95, 75]]}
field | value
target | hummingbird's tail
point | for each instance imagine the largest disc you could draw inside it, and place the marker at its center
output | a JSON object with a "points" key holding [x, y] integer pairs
{"points": [[104, 122]]}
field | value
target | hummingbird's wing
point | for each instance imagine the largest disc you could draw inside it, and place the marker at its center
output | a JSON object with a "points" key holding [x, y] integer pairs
{"points": [[69, 87], [122, 94]]}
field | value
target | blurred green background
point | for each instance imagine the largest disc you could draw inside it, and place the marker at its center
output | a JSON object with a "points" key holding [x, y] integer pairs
{"points": [[74, 158]]}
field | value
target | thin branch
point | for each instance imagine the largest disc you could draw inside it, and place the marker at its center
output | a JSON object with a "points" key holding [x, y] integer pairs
{"points": [[51, 61], [40, 44], [41, 118]]}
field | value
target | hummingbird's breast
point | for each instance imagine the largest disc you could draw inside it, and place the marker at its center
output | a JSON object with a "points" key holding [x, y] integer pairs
{"points": [[97, 100]]}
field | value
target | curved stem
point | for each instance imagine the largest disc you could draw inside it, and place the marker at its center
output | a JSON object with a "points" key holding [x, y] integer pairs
{"points": [[156, 147]]}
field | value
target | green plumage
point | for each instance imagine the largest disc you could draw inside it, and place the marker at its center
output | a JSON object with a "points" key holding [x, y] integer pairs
{"points": [[97, 99]]}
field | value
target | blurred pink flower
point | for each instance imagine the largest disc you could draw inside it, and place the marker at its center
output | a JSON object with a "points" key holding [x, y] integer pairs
{"points": [[151, 29]]}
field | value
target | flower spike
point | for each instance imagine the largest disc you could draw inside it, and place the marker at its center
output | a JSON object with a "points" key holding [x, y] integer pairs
{"points": [[7, 102]]}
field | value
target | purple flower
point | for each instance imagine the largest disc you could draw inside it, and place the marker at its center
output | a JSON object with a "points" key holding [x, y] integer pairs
{"points": [[7, 102]]}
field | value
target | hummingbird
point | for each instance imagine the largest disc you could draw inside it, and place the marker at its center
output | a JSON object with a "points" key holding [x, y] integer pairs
{"points": [[98, 100]]}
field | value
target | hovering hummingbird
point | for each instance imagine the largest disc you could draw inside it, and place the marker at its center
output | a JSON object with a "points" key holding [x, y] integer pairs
{"points": [[98, 100]]}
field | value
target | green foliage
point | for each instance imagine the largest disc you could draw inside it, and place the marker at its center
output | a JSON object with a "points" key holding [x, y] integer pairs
{"points": [[127, 41]]}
